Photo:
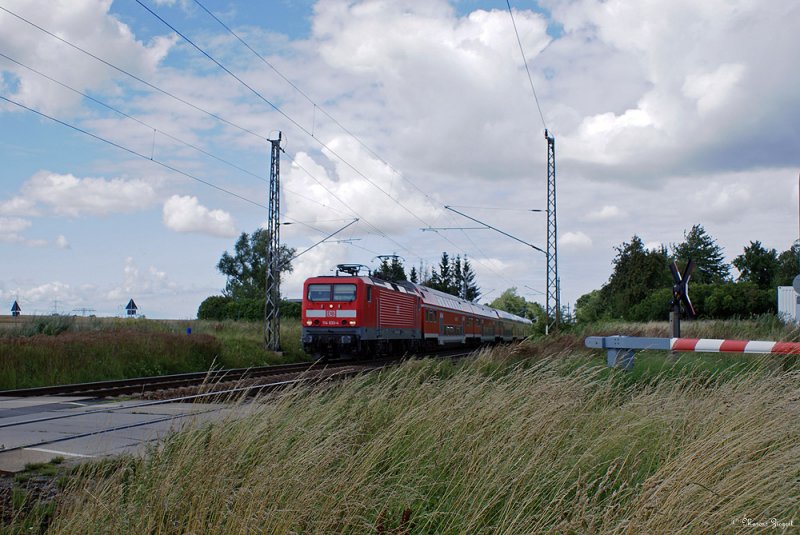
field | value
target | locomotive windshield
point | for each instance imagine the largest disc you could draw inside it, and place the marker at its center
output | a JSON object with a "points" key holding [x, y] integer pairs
{"points": [[344, 292], [332, 292]]}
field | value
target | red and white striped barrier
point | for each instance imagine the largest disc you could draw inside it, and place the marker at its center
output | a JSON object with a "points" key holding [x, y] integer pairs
{"points": [[711, 345], [621, 349]]}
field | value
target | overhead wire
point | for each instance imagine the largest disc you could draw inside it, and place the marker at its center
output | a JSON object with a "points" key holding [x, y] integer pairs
{"points": [[280, 111], [162, 132], [302, 128], [131, 151], [131, 75], [234, 125], [525, 62], [315, 104], [195, 107]]}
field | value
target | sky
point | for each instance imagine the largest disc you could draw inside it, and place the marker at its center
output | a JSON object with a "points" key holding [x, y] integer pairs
{"points": [[134, 138]]}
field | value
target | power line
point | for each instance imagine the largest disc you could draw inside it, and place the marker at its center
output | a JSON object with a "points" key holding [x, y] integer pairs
{"points": [[138, 79], [131, 151], [202, 110], [167, 134], [295, 123], [175, 97], [232, 124], [525, 61], [498, 209], [280, 111], [145, 157], [315, 104]]}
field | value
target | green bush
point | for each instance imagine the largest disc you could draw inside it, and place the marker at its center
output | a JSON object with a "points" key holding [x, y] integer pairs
{"points": [[743, 300], [219, 308]]}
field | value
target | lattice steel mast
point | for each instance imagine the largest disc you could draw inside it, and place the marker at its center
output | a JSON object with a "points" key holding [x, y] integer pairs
{"points": [[272, 313], [553, 290]]}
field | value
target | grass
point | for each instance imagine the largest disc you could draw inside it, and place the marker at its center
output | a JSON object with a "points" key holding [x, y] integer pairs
{"points": [[526, 439], [28, 500], [57, 350]]}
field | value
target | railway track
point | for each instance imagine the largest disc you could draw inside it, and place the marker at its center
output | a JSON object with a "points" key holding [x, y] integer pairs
{"points": [[140, 385], [269, 378], [210, 380]]}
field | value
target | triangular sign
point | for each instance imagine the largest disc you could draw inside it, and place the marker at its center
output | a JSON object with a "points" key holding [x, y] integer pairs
{"points": [[15, 307], [131, 305]]}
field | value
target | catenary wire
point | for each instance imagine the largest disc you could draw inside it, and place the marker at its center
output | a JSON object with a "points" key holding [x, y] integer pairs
{"points": [[137, 78], [300, 127], [316, 105], [167, 134], [223, 120], [131, 151], [525, 62], [196, 107], [281, 112]]}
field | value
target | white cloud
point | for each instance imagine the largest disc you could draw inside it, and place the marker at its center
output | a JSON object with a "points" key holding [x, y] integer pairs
{"points": [[62, 242], [186, 214], [44, 298], [711, 90], [383, 197], [18, 206], [575, 240], [137, 283], [67, 195], [606, 213], [89, 25], [12, 227], [682, 112], [721, 202], [653, 245]]}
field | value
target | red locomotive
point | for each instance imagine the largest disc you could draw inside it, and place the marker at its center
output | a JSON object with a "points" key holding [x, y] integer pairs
{"points": [[361, 316]]}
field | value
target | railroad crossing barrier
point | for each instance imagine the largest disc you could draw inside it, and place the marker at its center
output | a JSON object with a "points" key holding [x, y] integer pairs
{"points": [[622, 349]]}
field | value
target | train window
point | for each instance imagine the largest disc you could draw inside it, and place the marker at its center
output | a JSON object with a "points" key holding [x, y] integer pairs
{"points": [[319, 292], [344, 292], [369, 294]]}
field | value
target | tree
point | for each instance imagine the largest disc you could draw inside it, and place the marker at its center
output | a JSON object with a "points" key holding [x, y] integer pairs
{"points": [[740, 300], [391, 271], [757, 265], [219, 307], [513, 303], [517, 305], [637, 272], [589, 307], [246, 268], [788, 266], [707, 255], [454, 277], [471, 291], [413, 277], [442, 280], [213, 308]]}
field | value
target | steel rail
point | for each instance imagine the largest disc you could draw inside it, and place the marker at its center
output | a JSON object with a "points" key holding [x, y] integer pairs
{"points": [[125, 386], [373, 366], [268, 386]]}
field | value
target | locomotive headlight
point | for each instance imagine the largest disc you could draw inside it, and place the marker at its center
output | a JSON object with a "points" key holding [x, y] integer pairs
{"points": [[308, 322], [352, 322]]}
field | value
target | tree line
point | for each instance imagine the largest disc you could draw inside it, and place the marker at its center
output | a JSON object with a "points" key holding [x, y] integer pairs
{"points": [[640, 285], [245, 286]]}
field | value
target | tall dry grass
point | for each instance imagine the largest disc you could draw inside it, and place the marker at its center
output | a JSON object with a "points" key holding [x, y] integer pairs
{"points": [[485, 447]]}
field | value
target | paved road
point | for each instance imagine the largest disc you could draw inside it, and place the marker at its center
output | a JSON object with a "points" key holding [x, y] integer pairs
{"points": [[88, 433]]}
